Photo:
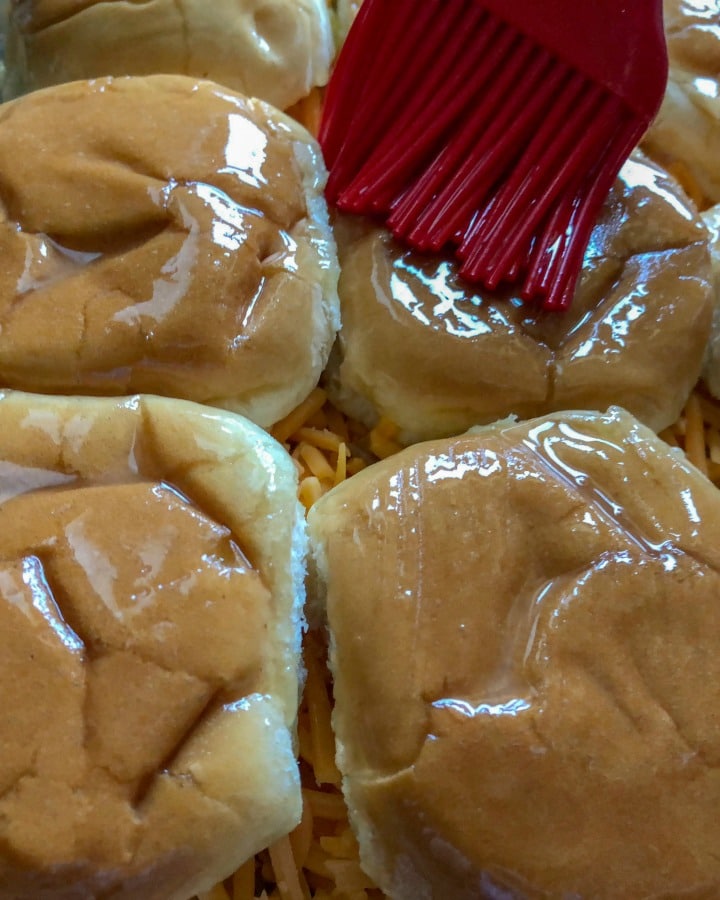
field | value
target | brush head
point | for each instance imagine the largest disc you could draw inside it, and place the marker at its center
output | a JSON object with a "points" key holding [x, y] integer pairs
{"points": [[492, 129]]}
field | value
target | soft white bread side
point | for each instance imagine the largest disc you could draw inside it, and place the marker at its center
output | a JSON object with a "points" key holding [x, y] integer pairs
{"points": [[151, 591], [525, 647], [686, 133], [435, 356], [277, 50], [173, 241]]}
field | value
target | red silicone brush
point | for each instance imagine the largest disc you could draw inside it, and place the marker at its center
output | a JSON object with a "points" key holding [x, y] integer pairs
{"points": [[495, 127]]}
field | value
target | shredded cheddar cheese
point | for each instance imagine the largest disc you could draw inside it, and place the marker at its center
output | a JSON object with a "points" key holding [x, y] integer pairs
{"points": [[320, 858], [308, 111], [697, 433], [327, 447], [243, 882], [384, 439]]}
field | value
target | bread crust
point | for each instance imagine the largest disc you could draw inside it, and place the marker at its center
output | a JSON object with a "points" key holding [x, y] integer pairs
{"points": [[276, 50], [151, 592], [524, 645]]}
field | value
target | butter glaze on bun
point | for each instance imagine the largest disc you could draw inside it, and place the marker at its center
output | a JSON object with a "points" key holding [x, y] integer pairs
{"points": [[166, 236], [421, 348], [346, 12], [686, 132], [151, 583], [525, 647], [276, 50], [711, 369]]}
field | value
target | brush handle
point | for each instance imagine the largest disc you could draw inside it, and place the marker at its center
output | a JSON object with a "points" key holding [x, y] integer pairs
{"points": [[617, 43]]}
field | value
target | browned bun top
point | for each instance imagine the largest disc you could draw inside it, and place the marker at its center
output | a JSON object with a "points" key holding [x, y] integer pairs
{"points": [[149, 621], [165, 236], [276, 50], [686, 133], [435, 356], [711, 369], [525, 644]]}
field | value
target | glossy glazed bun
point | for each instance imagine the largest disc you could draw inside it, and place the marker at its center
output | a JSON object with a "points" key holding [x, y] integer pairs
{"points": [[151, 586], [277, 50], [525, 646], [686, 132], [435, 356], [711, 370], [162, 235]]}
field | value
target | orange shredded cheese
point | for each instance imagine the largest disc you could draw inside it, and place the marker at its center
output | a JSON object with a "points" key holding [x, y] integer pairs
{"points": [[286, 427], [311, 490], [325, 805], [384, 439], [291, 883], [302, 837], [341, 467], [243, 882], [316, 462], [327, 447], [322, 438], [319, 712], [308, 111], [695, 434]]}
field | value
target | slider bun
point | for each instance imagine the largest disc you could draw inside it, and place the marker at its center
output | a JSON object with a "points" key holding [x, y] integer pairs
{"points": [[277, 50], [151, 583], [711, 370], [686, 132], [525, 647], [435, 356], [166, 236]]}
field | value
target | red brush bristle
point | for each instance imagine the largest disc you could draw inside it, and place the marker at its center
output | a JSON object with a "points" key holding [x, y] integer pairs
{"points": [[500, 141], [414, 139], [466, 133]]}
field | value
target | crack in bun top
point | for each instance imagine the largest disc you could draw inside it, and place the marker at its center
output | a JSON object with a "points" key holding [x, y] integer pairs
{"points": [[421, 348], [525, 647], [150, 647], [162, 235], [276, 50]]}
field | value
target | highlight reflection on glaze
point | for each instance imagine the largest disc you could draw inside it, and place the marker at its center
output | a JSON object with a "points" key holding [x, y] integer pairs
{"points": [[435, 356]]}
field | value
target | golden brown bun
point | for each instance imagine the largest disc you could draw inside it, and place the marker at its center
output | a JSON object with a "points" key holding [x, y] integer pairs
{"points": [[525, 644], [711, 369], [151, 555], [436, 357], [686, 132], [277, 50], [162, 235], [346, 12]]}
